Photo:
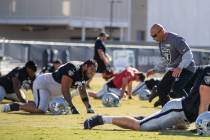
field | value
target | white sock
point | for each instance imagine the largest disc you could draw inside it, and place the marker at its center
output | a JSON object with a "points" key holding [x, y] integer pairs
{"points": [[107, 119]]}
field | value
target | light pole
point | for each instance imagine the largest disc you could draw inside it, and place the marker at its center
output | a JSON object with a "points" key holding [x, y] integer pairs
{"points": [[112, 2]]}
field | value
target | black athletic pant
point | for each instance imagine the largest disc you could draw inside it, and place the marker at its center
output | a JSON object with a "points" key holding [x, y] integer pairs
{"points": [[192, 83], [173, 87]]}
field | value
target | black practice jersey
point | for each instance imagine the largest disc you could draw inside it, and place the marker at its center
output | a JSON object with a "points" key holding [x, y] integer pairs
{"points": [[20, 74], [99, 45], [192, 102], [73, 71]]}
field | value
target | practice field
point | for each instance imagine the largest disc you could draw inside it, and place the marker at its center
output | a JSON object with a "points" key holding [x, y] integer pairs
{"points": [[24, 126]]}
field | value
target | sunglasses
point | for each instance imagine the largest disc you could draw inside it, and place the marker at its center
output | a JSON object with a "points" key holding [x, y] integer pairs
{"points": [[155, 35]]}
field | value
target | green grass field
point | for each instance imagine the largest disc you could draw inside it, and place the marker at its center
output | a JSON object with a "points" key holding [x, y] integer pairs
{"points": [[24, 126]]}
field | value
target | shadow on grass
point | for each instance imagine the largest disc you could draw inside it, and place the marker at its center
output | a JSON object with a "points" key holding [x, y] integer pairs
{"points": [[26, 113], [189, 133], [109, 130], [35, 114]]}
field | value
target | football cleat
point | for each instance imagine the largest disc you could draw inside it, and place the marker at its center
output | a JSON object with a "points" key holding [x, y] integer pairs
{"points": [[93, 121]]}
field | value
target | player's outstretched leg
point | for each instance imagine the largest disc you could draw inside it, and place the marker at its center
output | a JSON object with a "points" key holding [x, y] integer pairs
{"points": [[121, 121]]}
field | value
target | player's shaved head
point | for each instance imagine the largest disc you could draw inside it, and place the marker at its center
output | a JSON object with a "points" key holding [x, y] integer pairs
{"points": [[156, 27], [157, 32]]}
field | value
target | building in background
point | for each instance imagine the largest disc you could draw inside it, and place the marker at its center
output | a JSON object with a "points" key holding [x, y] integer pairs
{"points": [[189, 18], [65, 20], [82, 20]]}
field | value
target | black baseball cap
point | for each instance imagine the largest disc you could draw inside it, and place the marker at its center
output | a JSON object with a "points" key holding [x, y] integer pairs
{"points": [[103, 34]]}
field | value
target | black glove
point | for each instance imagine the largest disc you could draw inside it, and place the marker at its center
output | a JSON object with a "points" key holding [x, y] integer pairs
{"points": [[74, 110]]}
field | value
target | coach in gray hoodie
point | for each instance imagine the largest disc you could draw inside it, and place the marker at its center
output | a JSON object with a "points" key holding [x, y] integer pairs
{"points": [[177, 59]]}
